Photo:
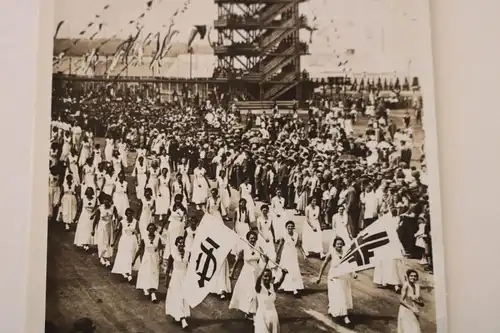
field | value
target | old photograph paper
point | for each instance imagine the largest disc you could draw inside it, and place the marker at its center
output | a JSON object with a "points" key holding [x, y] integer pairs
{"points": [[243, 166]]}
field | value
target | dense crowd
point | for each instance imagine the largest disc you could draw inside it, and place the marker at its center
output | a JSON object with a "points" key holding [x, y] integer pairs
{"points": [[202, 155]]}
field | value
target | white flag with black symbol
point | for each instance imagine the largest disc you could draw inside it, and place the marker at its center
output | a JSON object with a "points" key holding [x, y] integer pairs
{"points": [[379, 241], [211, 245]]}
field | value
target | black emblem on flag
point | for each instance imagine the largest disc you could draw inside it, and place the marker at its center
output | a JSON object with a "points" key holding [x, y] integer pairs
{"points": [[361, 250], [206, 263]]}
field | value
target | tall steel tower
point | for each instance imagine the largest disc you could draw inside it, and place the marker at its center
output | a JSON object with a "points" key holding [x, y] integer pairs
{"points": [[258, 47]]}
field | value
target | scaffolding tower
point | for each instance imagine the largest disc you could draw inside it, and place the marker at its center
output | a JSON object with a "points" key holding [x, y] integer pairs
{"points": [[258, 47]]}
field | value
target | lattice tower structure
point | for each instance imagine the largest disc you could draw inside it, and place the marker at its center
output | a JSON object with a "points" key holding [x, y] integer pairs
{"points": [[258, 47]]}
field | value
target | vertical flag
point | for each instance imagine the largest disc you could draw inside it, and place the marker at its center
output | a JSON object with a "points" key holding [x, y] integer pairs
{"points": [[377, 242], [211, 245], [200, 30]]}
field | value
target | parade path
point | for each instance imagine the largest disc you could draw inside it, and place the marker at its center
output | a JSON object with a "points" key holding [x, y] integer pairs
{"points": [[78, 286]]}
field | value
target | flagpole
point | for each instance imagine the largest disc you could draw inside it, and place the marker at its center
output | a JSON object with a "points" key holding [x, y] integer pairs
{"points": [[258, 250]]}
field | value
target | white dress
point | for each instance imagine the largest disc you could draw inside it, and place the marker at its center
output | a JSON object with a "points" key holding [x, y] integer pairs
{"points": [[154, 174], [54, 193], [104, 232], [148, 276], [241, 227], [224, 192], [339, 224], [244, 294], [246, 193], [127, 248], [73, 167], [68, 203], [122, 149], [214, 207], [146, 215], [84, 154], [88, 177], [407, 321], [175, 227], [200, 187], [266, 318], [117, 164], [223, 283], [163, 200], [97, 157], [140, 173], [290, 261], [278, 208], [178, 188], [83, 234], [339, 289], [99, 179], [183, 170], [265, 226], [109, 184], [175, 304], [312, 241], [108, 150], [120, 197]]}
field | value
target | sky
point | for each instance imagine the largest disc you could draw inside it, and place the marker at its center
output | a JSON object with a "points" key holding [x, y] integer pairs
{"points": [[373, 27]]}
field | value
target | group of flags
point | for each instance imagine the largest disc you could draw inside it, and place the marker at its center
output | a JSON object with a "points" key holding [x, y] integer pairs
{"points": [[214, 241]]}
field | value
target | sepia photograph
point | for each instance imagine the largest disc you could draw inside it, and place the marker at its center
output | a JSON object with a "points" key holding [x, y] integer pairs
{"points": [[241, 166]]}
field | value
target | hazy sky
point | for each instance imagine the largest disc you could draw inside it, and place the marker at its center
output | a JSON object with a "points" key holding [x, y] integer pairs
{"points": [[377, 26]]}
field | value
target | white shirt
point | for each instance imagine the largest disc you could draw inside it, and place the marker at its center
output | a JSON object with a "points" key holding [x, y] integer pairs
{"points": [[369, 199]]}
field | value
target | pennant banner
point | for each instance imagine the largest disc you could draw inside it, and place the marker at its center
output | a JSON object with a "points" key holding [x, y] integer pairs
{"points": [[211, 245], [379, 241]]}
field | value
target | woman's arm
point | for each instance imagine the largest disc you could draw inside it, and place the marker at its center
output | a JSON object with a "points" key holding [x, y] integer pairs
{"points": [[140, 251], [323, 267], [278, 284], [238, 260]]}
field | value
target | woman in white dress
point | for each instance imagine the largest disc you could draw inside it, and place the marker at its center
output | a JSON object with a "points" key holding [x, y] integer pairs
{"points": [[175, 304], [66, 148], [224, 189], [409, 302], [97, 155], [84, 152], [120, 194], [88, 175], [179, 188], [153, 175], [189, 234], [147, 207], [116, 161], [163, 200], [104, 222], [241, 225], [127, 245], [246, 193], [85, 226], [100, 178], [122, 151], [266, 318], [339, 287], [214, 206], [108, 149], [389, 271], [69, 205], [176, 219], [148, 277], [183, 169], [54, 192], [244, 297], [141, 175], [267, 238], [72, 163], [312, 237], [339, 225], [109, 181], [279, 214], [288, 259], [200, 186]]}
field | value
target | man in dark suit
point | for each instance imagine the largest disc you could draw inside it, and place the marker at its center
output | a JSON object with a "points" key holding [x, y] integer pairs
{"points": [[353, 209]]}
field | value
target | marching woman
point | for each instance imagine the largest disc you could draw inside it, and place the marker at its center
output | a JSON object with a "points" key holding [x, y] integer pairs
{"points": [[241, 224], [189, 234], [97, 155], [175, 304], [100, 178], [266, 318], [66, 148], [183, 169], [69, 205], [179, 187], [200, 186], [147, 208], [312, 238], [109, 181], [88, 175], [163, 198], [288, 259], [148, 277], [410, 299], [153, 175], [116, 161], [278, 210], [339, 288], [244, 296], [246, 193], [267, 238], [122, 151], [85, 226], [224, 189], [72, 164], [176, 218], [103, 220], [140, 173], [54, 191], [120, 194], [108, 149], [223, 284], [85, 152], [127, 245], [339, 224]]}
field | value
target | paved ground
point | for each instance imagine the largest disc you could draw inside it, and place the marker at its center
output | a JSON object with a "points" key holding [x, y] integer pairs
{"points": [[78, 286]]}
